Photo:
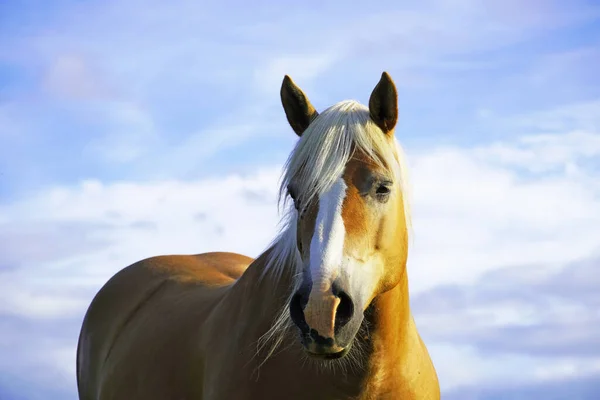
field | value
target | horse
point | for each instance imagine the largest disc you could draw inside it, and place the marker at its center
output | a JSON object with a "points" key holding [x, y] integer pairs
{"points": [[322, 313]]}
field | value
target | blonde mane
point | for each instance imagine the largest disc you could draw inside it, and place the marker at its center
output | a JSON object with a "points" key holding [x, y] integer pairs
{"points": [[318, 159]]}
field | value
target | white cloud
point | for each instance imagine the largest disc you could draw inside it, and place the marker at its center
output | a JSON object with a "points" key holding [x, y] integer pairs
{"points": [[461, 366], [550, 308], [475, 212], [567, 368], [134, 221], [545, 152]]}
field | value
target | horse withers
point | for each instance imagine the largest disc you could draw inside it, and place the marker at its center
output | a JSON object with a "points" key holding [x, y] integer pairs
{"points": [[322, 313]]}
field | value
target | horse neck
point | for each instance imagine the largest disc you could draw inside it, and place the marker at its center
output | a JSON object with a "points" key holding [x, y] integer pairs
{"points": [[260, 296], [394, 351], [398, 360], [389, 318]]}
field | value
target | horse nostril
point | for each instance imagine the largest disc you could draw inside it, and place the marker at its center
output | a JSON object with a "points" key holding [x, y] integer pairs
{"points": [[297, 312], [345, 310]]}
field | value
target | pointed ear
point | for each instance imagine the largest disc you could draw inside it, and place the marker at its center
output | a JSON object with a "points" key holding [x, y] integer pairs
{"points": [[298, 110], [383, 104]]}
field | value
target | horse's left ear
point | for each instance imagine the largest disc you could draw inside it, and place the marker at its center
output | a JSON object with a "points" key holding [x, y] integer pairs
{"points": [[298, 109], [383, 104]]}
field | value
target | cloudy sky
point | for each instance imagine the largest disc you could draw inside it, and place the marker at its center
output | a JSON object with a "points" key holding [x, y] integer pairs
{"points": [[133, 128]]}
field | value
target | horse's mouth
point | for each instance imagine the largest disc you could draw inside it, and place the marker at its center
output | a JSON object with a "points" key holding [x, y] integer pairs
{"points": [[329, 356]]}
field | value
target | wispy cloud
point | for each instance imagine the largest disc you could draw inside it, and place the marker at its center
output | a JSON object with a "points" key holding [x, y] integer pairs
{"points": [[577, 388], [547, 312], [70, 76], [583, 115]]}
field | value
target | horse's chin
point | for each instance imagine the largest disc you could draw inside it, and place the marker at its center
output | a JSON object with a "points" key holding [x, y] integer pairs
{"points": [[330, 356], [327, 354]]}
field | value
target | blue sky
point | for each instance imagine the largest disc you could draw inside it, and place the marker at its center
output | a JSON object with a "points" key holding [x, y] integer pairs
{"points": [[130, 128]]}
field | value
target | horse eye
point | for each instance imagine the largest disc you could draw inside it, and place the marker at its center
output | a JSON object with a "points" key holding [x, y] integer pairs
{"points": [[383, 191], [292, 194]]}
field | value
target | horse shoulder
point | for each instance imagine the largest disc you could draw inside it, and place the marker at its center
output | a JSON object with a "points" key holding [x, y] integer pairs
{"points": [[137, 297]]}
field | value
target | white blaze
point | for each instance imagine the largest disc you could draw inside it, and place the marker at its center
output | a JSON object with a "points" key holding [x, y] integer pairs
{"points": [[327, 244]]}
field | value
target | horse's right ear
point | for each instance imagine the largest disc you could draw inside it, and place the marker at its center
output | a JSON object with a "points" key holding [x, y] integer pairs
{"points": [[298, 110]]}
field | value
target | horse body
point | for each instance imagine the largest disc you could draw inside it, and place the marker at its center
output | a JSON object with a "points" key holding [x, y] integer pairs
{"points": [[221, 326], [182, 327], [142, 331]]}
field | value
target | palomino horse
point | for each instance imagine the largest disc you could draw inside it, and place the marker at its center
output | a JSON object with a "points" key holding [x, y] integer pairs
{"points": [[323, 313]]}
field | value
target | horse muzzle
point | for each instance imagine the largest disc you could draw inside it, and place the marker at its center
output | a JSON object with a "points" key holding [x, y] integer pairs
{"points": [[327, 320]]}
